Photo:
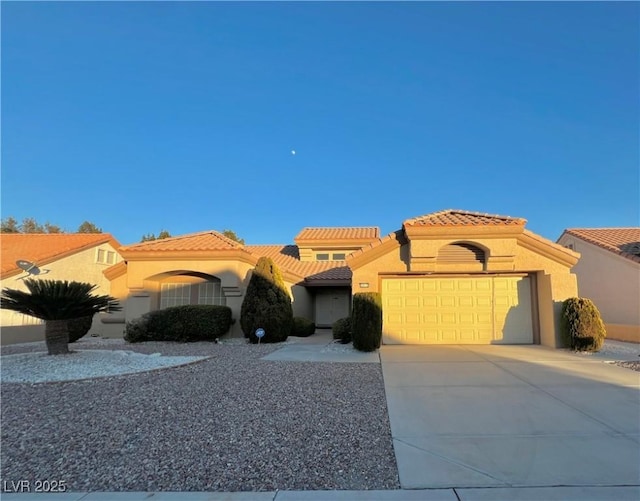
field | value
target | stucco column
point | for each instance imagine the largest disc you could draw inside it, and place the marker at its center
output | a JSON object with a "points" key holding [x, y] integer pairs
{"points": [[138, 303], [233, 297], [552, 291]]}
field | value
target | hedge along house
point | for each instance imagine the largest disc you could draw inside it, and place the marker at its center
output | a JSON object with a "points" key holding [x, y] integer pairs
{"points": [[609, 274], [449, 277], [81, 257], [457, 277], [208, 268]]}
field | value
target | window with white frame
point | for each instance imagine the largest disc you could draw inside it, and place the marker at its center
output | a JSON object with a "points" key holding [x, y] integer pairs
{"points": [[181, 293], [105, 256], [175, 294], [211, 293]]}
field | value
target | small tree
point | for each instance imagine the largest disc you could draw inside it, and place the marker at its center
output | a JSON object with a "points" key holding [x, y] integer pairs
{"points": [[52, 228], [151, 236], [266, 304], [87, 227], [30, 225], [56, 302], [9, 225], [232, 235], [366, 321], [582, 328]]}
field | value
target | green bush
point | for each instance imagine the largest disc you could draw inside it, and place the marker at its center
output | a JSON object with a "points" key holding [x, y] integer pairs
{"points": [[366, 321], [180, 323], [266, 304], [78, 327], [581, 325], [342, 330], [302, 327]]}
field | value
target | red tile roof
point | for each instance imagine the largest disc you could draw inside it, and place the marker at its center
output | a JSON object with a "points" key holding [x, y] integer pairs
{"points": [[288, 258], [43, 248], [453, 217], [202, 241], [342, 233], [622, 241]]}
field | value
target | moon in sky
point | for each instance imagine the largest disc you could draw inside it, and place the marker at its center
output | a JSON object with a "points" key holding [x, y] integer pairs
{"points": [[293, 152]]}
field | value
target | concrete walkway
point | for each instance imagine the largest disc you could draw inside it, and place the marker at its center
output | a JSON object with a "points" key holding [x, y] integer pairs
{"points": [[492, 494], [509, 416], [321, 347]]}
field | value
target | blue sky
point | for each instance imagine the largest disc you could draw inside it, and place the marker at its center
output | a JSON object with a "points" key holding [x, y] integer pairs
{"points": [[182, 116]]}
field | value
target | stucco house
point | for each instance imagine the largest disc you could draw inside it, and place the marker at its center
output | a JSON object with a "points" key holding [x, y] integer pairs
{"points": [[82, 257], [448, 277], [609, 274]]}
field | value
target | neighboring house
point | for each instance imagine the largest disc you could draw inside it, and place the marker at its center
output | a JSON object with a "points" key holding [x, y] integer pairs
{"points": [[82, 257], [451, 277], [609, 274]]}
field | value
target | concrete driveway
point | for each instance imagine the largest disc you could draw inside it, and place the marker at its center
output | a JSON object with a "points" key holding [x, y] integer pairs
{"points": [[503, 416]]}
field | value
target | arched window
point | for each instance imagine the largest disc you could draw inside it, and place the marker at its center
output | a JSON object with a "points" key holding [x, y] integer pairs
{"points": [[177, 292], [461, 253]]}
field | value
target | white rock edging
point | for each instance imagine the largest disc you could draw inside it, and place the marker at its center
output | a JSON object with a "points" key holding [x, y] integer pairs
{"points": [[39, 367]]}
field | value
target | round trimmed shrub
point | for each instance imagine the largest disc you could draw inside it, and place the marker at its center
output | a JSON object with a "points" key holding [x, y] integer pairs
{"points": [[341, 329], [302, 327], [582, 328], [78, 327]]}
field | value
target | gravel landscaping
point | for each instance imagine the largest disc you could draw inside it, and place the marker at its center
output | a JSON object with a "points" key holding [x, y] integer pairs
{"points": [[230, 422]]}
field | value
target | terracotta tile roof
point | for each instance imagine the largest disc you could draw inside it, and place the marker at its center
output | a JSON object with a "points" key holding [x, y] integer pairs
{"points": [[340, 273], [288, 258], [622, 241], [396, 235], [202, 241], [452, 217], [42, 248], [339, 233]]}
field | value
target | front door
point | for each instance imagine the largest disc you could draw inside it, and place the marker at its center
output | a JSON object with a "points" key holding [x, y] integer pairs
{"points": [[331, 305]]}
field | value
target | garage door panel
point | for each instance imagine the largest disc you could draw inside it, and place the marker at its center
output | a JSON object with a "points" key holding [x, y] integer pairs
{"points": [[447, 301], [457, 310], [412, 302], [467, 318], [429, 301], [396, 302], [483, 301], [413, 319], [466, 301]]}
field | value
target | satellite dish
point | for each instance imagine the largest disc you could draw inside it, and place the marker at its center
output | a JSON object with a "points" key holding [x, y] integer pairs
{"points": [[28, 266]]}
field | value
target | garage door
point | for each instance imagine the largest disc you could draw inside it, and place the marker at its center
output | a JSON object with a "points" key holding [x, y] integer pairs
{"points": [[483, 310]]}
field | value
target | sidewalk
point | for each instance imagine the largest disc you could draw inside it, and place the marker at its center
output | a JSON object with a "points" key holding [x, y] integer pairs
{"points": [[622, 493]]}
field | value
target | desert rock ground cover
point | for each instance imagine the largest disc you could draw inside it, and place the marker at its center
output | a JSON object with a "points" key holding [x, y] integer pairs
{"points": [[232, 422]]}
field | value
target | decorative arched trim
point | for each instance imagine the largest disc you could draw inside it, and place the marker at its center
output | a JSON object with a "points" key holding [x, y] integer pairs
{"points": [[175, 291], [461, 252]]}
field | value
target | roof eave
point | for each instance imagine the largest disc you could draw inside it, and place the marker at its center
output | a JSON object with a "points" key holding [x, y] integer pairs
{"points": [[334, 242], [547, 248], [376, 249], [468, 231], [108, 239], [327, 283]]}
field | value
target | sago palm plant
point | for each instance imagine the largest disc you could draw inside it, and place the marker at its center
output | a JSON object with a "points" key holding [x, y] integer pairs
{"points": [[56, 302]]}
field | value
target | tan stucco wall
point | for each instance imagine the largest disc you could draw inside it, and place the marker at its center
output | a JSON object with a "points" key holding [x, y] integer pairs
{"points": [[612, 282], [141, 285], [81, 267], [302, 301], [555, 282]]}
